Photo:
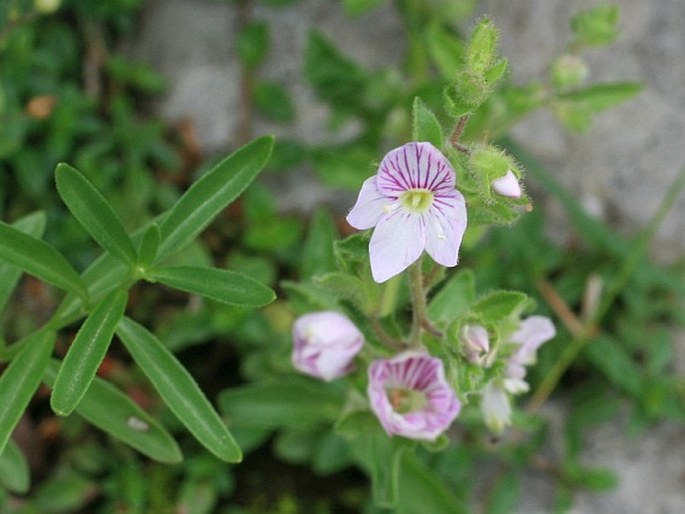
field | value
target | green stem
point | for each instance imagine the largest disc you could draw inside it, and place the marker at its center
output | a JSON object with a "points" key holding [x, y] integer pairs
{"points": [[613, 291]]}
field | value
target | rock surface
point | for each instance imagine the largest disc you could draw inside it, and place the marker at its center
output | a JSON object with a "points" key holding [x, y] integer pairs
{"points": [[620, 169]]}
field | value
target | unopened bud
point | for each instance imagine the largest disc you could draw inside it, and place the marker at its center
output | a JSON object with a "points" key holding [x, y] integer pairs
{"points": [[507, 185], [569, 71], [476, 343]]}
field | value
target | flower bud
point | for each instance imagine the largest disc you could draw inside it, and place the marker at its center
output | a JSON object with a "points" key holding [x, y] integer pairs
{"points": [[476, 343], [495, 407], [324, 344], [507, 185], [569, 71]]}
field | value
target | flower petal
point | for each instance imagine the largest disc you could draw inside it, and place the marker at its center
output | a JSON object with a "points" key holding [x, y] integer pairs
{"points": [[397, 242], [415, 166], [507, 185], [369, 208], [445, 227], [532, 332]]}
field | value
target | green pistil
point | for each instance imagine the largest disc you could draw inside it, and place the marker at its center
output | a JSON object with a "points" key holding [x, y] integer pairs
{"points": [[417, 200], [404, 401]]}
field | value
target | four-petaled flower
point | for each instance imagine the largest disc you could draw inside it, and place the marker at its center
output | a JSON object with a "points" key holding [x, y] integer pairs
{"points": [[410, 396], [324, 344], [413, 203]]}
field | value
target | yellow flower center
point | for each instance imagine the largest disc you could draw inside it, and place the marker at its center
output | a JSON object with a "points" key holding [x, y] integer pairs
{"points": [[417, 200]]}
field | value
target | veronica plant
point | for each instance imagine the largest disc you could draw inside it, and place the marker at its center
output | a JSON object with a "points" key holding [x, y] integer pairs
{"points": [[426, 346], [99, 296]]}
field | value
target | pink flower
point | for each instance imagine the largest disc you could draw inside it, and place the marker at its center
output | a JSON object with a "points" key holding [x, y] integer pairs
{"points": [[410, 396], [507, 185], [531, 334], [324, 344], [413, 203]]}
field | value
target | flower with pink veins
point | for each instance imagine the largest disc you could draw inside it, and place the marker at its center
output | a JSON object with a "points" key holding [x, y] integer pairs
{"points": [[410, 396], [414, 206], [324, 344]]}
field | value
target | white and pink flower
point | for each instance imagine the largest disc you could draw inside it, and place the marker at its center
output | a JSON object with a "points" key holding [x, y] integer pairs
{"points": [[414, 206], [410, 396]]}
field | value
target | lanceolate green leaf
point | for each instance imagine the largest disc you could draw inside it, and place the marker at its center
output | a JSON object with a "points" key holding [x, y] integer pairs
{"points": [[14, 470], [112, 411], [20, 380], [39, 259], [96, 215], [425, 125], [178, 390], [33, 225], [212, 193], [603, 96], [218, 284], [86, 353], [149, 246]]}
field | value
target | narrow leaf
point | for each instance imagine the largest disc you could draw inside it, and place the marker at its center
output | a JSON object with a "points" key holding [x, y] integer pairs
{"points": [[317, 252], [20, 380], [14, 470], [107, 408], [86, 353], [603, 96], [211, 193], [273, 404], [178, 390], [33, 225], [149, 246], [221, 285], [426, 126], [39, 259], [92, 211]]}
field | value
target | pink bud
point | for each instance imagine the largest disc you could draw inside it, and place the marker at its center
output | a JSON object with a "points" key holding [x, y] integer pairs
{"points": [[507, 185], [324, 344], [476, 343]]}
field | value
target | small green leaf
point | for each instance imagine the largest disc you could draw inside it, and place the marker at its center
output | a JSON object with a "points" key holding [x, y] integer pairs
{"points": [[445, 49], [599, 97], [481, 51], [381, 455], [359, 7], [597, 26], [86, 353], [498, 305], [295, 403], [422, 490], [178, 390], [149, 246], [39, 259], [212, 193], [104, 406], [33, 225], [14, 470], [317, 252], [426, 126], [253, 44], [505, 495], [273, 101], [221, 285], [21, 379], [92, 211], [453, 299]]}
